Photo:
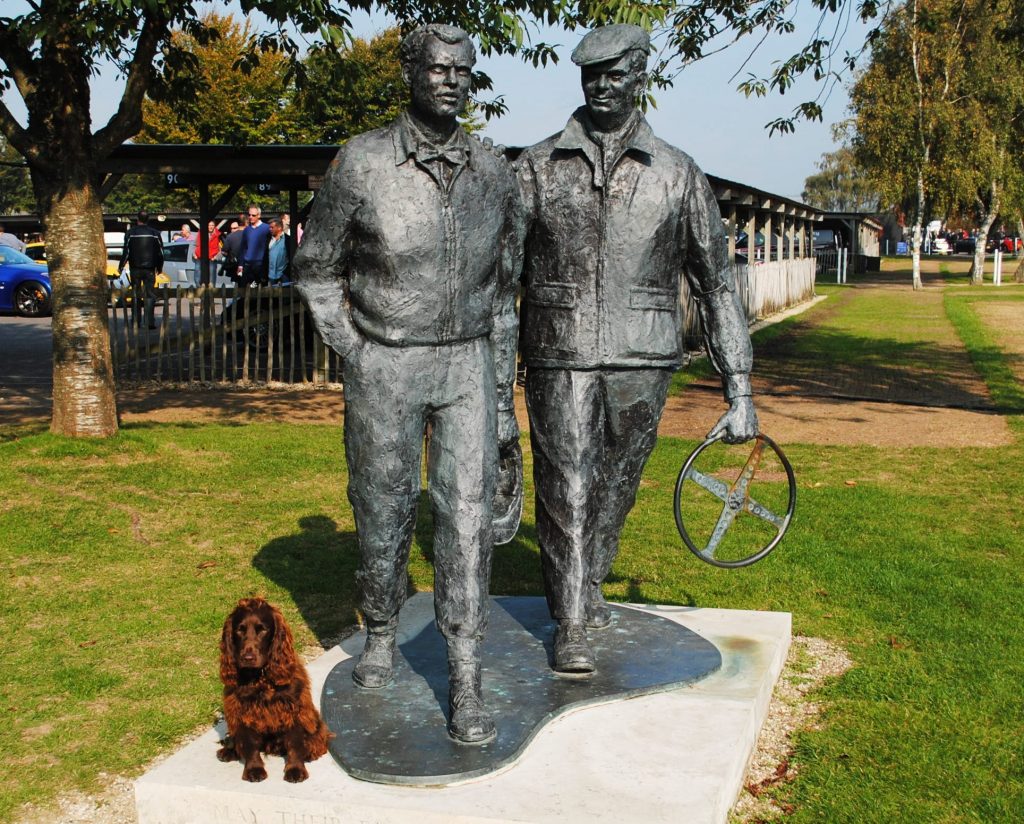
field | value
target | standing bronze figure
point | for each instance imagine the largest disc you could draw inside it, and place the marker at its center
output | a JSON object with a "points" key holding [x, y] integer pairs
{"points": [[409, 266], [615, 218]]}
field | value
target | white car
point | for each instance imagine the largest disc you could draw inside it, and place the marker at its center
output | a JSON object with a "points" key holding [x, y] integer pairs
{"points": [[940, 246], [183, 270]]}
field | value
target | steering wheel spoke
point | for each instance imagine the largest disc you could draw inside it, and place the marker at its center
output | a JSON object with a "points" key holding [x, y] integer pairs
{"points": [[716, 487], [725, 520], [765, 514]]}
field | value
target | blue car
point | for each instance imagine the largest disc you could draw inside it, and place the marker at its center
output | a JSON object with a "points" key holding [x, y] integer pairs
{"points": [[24, 285]]}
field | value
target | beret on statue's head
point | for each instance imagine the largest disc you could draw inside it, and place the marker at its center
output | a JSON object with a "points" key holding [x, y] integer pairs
{"points": [[609, 42]]}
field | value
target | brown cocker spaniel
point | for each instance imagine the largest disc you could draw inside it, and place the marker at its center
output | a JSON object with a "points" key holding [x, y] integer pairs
{"points": [[268, 705]]}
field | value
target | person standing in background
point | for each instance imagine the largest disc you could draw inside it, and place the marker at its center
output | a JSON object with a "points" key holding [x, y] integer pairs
{"points": [[279, 256], [213, 251], [255, 239], [7, 239]]}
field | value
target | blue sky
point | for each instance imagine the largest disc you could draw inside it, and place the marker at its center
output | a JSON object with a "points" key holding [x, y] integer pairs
{"points": [[703, 114]]}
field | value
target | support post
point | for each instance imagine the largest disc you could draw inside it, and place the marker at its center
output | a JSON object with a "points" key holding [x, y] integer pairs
{"points": [[204, 236], [732, 232]]}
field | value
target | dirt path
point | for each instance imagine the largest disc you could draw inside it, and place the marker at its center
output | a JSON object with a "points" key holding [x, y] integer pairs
{"points": [[1007, 321], [865, 402]]}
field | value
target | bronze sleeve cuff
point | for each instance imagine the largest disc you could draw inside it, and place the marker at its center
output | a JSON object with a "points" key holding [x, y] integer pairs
{"points": [[736, 386]]}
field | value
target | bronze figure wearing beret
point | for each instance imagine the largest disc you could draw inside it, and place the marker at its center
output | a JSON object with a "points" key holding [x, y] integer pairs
{"points": [[616, 217]]}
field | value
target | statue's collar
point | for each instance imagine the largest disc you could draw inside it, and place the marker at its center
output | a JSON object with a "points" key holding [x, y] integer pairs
{"points": [[575, 135], [409, 141]]}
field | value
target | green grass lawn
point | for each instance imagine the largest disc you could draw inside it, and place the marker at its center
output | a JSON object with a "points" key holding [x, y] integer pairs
{"points": [[120, 560]]}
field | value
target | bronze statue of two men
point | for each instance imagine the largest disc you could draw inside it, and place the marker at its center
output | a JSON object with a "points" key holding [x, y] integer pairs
{"points": [[410, 264]]}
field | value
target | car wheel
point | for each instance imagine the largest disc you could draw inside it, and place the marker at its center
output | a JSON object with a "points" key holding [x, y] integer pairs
{"points": [[31, 299]]}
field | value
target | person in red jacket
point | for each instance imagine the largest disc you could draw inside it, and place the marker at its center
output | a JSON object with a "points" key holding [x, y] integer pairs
{"points": [[212, 251]]}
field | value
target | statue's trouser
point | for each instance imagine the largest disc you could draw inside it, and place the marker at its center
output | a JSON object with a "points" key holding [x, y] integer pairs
{"points": [[591, 433], [390, 393]]}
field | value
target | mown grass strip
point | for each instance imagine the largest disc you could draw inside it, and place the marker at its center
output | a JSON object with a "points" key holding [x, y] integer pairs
{"points": [[986, 354]]}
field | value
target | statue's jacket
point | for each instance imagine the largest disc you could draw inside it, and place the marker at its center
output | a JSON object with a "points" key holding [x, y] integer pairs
{"points": [[605, 254], [396, 254]]}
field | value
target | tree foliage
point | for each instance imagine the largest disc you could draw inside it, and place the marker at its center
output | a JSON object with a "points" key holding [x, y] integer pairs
{"points": [[227, 104], [15, 186], [346, 91], [938, 111], [351, 90], [840, 184]]}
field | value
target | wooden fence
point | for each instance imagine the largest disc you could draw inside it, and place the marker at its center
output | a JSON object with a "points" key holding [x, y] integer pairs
{"points": [[764, 289], [263, 334], [256, 334]]}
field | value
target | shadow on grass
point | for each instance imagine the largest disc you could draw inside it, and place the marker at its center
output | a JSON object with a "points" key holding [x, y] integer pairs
{"points": [[317, 565], [635, 593], [14, 431], [812, 360]]}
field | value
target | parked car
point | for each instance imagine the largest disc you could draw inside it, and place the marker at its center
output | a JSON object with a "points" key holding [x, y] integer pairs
{"points": [[742, 249], [183, 270], [827, 240], [965, 245], [940, 246], [36, 250], [178, 264], [24, 285], [1009, 245]]}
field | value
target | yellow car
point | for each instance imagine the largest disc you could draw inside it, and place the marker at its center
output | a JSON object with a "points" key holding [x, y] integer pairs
{"points": [[116, 281], [36, 251]]}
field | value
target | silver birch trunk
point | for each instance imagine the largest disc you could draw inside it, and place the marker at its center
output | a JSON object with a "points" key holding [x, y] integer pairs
{"points": [[978, 266], [1018, 273], [915, 248]]}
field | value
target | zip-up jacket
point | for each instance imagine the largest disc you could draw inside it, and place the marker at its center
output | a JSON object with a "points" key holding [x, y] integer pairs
{"points": [[605, 254], [143, 249], [405, 252]]}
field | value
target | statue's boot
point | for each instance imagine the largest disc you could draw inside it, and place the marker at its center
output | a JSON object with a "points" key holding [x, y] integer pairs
{"points": [[573, 654], [376, 665], [599, 614], [469, 722]]}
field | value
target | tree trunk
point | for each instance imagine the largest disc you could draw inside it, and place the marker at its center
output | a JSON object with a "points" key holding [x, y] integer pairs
{"points": [[978, 266], [1018, 273], [84, 402], [916, 239]]}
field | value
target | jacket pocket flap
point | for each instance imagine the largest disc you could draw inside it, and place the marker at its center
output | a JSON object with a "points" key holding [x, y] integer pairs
{"points": [[646, 297], [558, 295]]}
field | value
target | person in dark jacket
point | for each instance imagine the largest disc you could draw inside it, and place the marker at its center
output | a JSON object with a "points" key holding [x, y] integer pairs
{"points": [[231, 248], [615, 218], [409, 267], [144, 254]]}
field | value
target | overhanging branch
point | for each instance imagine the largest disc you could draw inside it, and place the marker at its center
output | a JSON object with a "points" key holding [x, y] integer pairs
{"points": [[127, 120], [18, 137]]}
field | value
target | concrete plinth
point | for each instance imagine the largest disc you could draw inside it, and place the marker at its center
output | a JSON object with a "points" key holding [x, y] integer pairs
{"points": [[672, 756]]}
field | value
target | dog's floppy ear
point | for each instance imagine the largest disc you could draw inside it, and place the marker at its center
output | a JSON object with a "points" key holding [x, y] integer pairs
{"points": [[282, 665], [228, 663]]}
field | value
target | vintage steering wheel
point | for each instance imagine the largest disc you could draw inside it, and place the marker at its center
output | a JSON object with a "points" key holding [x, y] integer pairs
{"points": [[735, 499]]}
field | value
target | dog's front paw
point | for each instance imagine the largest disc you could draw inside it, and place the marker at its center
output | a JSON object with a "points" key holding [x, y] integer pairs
{"points": [[295, 775], [227, 754], [254, 774]]}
